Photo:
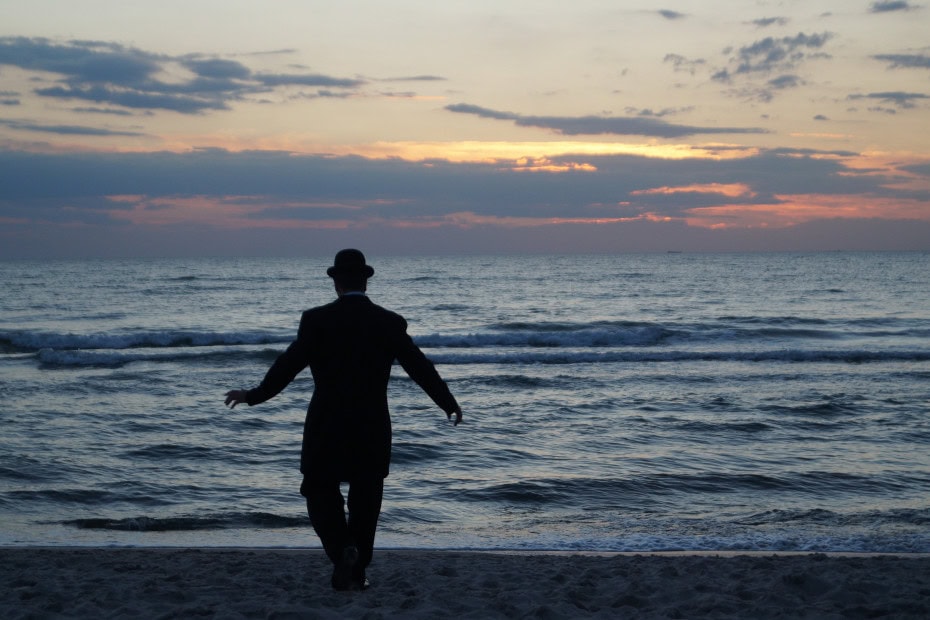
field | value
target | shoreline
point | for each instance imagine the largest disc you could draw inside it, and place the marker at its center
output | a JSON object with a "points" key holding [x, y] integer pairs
{"points": [[497, 551], [123, 582]]}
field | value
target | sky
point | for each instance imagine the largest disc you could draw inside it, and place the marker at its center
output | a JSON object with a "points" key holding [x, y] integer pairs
{"points": [[298, 127]]}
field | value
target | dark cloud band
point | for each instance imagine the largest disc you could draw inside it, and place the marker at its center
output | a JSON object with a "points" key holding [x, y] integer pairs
{"points": [[112, 74], [599, 125]]}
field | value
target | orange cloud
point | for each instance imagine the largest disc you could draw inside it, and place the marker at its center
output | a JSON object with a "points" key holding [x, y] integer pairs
{"points": [[799, 208], [893, 167], [239, 212], [165, 211], [544, 164], [467, 219], [462, 151], [732, 190], [127, 198], [494, 152]]}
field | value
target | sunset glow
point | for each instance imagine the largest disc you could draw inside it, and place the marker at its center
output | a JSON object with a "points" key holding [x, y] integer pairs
{"points": [[514, 118], [798, 209]]}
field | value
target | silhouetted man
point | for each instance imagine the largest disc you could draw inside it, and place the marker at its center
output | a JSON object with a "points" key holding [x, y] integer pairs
{"points": [[349, 345]]}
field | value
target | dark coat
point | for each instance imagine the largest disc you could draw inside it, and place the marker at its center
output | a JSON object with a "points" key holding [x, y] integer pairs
{"points": [[350, 345]]}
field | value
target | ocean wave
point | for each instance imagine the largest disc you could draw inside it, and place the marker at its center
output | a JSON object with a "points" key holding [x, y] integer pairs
{"points": [[170, 451], [874, 518], [772, 320], [648, 488], [876, 531], [633, 334], [543, 334], [207, 354], [64, 496], [21, 474], [229, 520], [556, 335], [31, 342], [852, 356], [412, 452], [786, 339], [117, 358]]}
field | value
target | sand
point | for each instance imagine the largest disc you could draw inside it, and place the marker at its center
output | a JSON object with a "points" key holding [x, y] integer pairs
{"points": [[293, 583]]}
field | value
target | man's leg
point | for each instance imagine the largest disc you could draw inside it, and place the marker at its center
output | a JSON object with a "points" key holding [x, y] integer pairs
{"points": [[326, 508], [364, 508]]}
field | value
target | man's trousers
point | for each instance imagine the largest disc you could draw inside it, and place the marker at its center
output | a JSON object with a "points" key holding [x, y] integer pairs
{"points": [[326, 507]]}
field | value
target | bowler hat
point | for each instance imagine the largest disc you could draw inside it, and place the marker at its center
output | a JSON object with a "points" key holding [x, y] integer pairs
{"points": [[350, 263]]}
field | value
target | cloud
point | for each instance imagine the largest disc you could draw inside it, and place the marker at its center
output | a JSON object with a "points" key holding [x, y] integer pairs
{"points": [[731, 190], [766, 56], [887, 6], [723, 75], [218, 68], [671, 15], [136, 99], [765, 22], [409, 95], [112, 74], [771, 54], [284, 79], [900, 99], [680, 63], [910, 61], [278, 52], [281, 202], [787, 211], [111, 111], [784, 151], [600, 125], [921, 169], [415, 78], [658, 113], [324, 94], [72, 130], [280, 190], [785, 81]]}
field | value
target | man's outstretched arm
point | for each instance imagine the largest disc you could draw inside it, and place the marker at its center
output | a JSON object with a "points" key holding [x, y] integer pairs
{"points": [[424, 373], [281, 373]]}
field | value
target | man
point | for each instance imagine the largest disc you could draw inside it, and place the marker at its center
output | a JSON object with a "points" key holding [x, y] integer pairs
{"points": [[349, 345]]}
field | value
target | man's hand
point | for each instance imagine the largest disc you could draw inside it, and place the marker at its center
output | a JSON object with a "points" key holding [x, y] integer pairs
{"points": [[458, 416], [234, 397]]}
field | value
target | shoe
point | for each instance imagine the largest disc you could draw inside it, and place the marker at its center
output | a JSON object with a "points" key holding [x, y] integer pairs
{"points": [[342, 574], [359, 579]]}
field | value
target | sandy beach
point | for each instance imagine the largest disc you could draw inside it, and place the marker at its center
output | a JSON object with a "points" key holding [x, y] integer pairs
{"points": [[292, 583]]}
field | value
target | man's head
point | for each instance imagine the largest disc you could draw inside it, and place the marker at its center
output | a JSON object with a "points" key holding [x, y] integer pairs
{"points": [[349, 271]]}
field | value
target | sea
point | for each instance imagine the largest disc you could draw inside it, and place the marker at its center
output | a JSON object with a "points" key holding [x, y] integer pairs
{"points": [[628, 402]]}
